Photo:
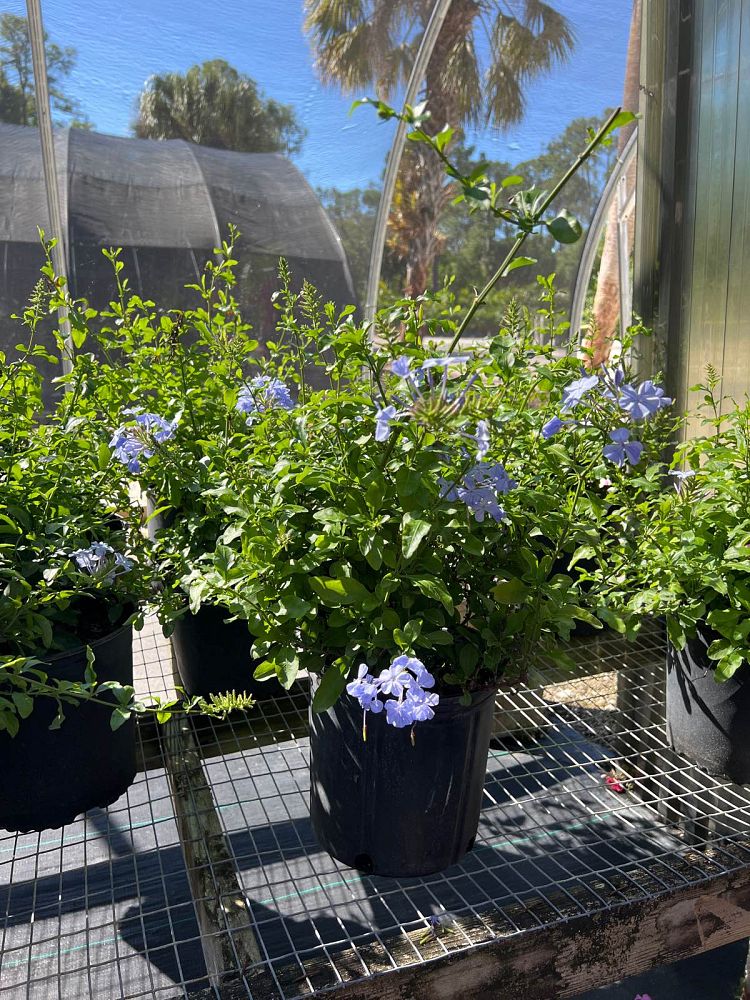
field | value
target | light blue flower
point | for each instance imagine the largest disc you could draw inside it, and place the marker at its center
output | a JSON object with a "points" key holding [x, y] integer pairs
{"points": [[480, 488], [482, 438], [421, 673], [399, 713], [682, 475], [642, 401], [554, 425], [404, 681], [615, 376], [101, 560], [384, 417], [365, 690], [574, 393], [623, 448], [421, 704], [395, 679], [263, 393], [139, 439], [401, 366]]}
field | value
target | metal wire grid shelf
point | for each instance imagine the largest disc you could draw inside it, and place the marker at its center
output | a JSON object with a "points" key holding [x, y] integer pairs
{"points": [[206, 880]]}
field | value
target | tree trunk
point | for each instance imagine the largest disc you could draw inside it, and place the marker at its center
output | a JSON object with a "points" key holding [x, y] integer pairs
{"points": [[415, 222], [606, 310]]}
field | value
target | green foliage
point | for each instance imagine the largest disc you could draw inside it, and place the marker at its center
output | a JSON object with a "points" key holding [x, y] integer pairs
{"points": [[345, 549], [471, 248], [62, 489], [214, 105], [691, 560], [17, 102]]}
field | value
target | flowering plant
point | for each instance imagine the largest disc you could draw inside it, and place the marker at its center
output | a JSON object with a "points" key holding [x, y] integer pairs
{"points": [[423, 524], [74, 563], [692, 560], [170, 396]]}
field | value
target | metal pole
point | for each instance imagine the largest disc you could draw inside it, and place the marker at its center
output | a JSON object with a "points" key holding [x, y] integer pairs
{"points": [[44, 118], [418, 71], [590, 247]]}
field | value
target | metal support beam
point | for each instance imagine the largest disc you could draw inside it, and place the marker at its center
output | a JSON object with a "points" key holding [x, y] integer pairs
{"points": [[44, 118]]}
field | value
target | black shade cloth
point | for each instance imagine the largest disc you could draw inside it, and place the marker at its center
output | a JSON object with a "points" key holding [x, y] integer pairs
{"points": [[168, 204]]}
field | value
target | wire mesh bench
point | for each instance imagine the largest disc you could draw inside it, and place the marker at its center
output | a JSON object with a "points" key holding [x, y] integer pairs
{"points": [[600, 853]]}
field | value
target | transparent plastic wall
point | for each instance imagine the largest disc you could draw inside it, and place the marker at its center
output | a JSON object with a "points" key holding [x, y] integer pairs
{"points": [[292, 168]]}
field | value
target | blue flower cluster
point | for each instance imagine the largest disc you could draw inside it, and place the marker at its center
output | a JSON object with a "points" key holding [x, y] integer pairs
{"points": [[263, 393], [639, 402], [481, 488], [425, 390], [137, 440], [101, 560], [406, 683]]}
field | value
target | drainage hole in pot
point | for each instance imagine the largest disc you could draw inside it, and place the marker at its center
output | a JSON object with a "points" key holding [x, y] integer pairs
{"points": [[363, 863]]}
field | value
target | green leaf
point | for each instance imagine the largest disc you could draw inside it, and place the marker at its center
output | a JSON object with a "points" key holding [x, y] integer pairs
{"points": [[565, 228], [103, 456], [412, 631], [675, 633], [78, 335], [332, 683], [434, 588], [728, 666], [511, 181], [335, 592], [264, 670], [582, 552], [582, 615], [512, 591], [468, 658], [519, 262], [614, 621], [24, 704], [118, 718], [287, 666], [292, 606], [413, 532], [624, 118], [375, 493]]}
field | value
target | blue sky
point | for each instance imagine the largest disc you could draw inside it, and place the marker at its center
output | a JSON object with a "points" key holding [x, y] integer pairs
{"points": [[121, 44]]}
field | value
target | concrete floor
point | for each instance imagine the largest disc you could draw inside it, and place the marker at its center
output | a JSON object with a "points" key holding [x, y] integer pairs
{"points": [[715, 975]]}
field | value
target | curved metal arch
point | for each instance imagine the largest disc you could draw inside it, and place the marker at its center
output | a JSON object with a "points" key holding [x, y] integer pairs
{"points": [[590, 246], [429, 38]]}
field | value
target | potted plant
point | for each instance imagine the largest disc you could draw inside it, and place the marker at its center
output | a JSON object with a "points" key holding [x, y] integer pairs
{"points": [[171, 395], [693, 568], [72, 577], [75, 573], [396, 537]]}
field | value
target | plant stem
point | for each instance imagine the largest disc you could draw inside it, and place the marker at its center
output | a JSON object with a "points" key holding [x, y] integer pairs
{"points": [[521, 238]]}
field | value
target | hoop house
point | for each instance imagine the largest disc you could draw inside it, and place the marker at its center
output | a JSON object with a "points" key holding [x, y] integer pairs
{"points": [[168, 205]]}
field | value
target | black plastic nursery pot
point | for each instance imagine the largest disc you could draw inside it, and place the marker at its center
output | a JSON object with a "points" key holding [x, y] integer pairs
{"points": [[387, 806], [51, 776], [213, 655], [707, 721]]}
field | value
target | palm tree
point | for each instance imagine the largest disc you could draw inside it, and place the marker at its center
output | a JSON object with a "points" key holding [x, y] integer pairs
{"points": [[366, 43], [214, 105]]}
